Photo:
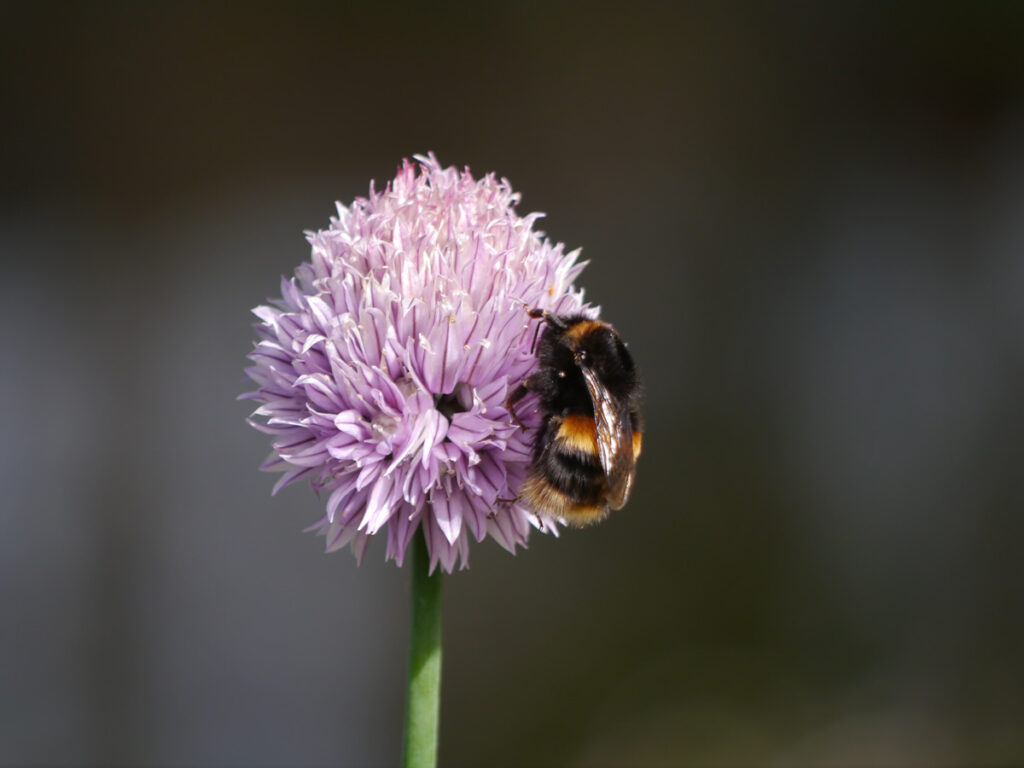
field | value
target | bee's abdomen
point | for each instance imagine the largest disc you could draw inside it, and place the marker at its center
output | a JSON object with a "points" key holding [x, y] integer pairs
{"points": [[570, 462], [581, 480], [566, 480]]}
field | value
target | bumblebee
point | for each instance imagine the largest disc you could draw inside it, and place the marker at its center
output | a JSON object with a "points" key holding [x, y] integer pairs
{"points": [[585, 451]]}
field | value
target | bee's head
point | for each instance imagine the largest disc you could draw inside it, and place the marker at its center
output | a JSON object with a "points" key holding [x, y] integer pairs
{"points": [[601, 349]]}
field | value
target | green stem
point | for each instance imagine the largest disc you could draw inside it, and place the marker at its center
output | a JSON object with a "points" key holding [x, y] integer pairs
{"points": [[423, 707]]}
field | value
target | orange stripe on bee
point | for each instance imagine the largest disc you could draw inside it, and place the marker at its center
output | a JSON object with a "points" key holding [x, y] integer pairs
{"points": [[579, 432], [581, 329], [638, 441]]}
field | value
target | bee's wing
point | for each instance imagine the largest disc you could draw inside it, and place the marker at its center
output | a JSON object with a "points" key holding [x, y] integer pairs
{"points": [[614, 439]]}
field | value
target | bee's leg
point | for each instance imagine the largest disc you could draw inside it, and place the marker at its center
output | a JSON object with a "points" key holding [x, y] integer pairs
{"points": [[517, 394]]}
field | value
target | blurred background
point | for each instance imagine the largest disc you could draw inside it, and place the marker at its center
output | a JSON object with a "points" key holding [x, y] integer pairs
{"points": [[808, 222]]}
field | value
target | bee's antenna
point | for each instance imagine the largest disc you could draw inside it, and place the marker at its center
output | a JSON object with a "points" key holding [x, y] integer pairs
{"points": [[549, 317], [536, 333]]}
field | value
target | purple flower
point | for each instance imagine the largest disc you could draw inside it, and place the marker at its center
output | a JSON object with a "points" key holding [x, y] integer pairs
{"points": [[382, 372]]}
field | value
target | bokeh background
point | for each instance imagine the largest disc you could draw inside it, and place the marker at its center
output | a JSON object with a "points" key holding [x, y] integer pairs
{"points": [[807, 220]]}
